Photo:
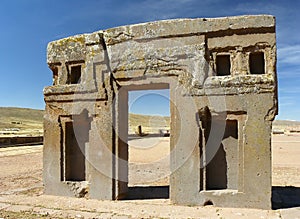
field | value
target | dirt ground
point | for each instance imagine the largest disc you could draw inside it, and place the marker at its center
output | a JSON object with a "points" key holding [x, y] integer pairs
{"points": [[21, 187], [286, 160]]}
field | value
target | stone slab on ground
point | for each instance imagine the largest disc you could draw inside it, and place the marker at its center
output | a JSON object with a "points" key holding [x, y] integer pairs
{"points": [[46, 211], [290, 213], [156, 208], [19, 208], [4, 206]]}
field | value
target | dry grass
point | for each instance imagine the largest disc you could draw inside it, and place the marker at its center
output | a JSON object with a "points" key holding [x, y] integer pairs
{"points": [[150, 124], [20, 121], [286, 126]]}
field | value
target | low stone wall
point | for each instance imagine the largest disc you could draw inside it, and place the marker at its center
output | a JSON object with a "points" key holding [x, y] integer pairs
{"points": [[5, 141]]}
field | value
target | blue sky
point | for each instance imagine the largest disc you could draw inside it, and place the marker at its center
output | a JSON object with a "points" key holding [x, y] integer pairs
{"points": [[28, 25], [153, 102]]}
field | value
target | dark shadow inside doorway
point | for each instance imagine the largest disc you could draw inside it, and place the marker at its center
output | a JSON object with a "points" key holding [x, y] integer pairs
{"points": [[147, 192]]}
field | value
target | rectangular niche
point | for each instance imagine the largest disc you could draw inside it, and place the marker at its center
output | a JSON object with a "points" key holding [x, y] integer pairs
{"points": [[221, 150], [75, 74], [75, 135], [74, 156], [221, 171], [223, 65], [74, 69], [257, 63]]}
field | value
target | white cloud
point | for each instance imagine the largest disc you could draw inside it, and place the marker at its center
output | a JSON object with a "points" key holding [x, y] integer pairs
{"points": [[289, 54], [289, 90]]}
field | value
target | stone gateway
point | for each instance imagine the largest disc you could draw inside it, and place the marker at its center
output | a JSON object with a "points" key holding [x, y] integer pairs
{"points": [[221, 73]]}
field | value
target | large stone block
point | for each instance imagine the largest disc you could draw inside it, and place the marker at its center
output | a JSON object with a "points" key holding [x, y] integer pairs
{"points": [[221, 73]]}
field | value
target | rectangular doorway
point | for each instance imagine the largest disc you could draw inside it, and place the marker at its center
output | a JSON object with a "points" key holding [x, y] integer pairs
{"points": [[148, 141]]}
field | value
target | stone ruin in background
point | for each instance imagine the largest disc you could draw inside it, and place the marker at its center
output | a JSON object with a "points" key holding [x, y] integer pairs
{"points": [[221, 74]]}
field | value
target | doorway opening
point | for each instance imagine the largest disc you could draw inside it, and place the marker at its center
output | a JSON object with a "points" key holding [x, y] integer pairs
{"points": [[148, 140]]}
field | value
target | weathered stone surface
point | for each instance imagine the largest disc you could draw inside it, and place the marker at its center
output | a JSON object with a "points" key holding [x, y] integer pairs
{"points": [[221, 74]]}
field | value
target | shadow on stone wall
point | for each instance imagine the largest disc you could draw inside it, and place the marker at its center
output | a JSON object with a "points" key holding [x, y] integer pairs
{"points": [[285, 197], [148, 192], [282, 197]]}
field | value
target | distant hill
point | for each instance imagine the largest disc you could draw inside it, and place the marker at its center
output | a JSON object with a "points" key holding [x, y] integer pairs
{"points": [[32, 120], [21, 121], [149, 123], [21, 114], [286, 126], [14, 114], [286, 123]]}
